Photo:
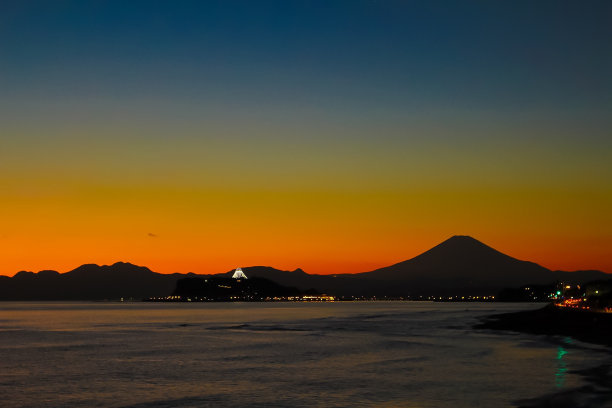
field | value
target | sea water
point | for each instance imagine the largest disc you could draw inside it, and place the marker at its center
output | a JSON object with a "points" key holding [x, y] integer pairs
{"points": [[343, 354]]}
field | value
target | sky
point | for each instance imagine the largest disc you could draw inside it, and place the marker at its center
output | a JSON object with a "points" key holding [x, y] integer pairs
{"points": [[332, 136]]}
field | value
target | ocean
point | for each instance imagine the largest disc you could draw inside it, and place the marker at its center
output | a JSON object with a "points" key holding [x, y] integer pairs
{"points": [[343, 354]]}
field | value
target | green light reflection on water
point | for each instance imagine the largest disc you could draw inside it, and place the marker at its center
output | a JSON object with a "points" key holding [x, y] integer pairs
{"points": [[561, 367]]}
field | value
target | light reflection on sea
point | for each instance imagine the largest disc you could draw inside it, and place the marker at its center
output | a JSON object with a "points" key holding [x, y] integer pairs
{"points": [[382, 354]]}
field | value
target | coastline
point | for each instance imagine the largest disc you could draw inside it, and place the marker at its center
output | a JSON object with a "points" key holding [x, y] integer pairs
{"points": [[588, 327], [585, 326]]}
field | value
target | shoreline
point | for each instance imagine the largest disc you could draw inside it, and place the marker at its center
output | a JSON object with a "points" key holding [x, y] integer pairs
{"points": [[589, 327]]}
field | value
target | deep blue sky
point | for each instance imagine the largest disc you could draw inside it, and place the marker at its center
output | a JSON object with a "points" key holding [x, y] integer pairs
{"points": [[495, 55]]}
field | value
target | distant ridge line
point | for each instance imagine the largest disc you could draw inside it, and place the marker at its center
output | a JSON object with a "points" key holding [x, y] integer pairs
{"points": [[460, 264]]}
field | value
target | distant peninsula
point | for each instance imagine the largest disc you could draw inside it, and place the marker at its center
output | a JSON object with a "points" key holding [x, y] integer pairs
{"points": [[237, 289]]}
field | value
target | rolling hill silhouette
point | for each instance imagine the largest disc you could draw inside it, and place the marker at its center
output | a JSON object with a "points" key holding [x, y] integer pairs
{"points": [[88, 282], [459, 265]]}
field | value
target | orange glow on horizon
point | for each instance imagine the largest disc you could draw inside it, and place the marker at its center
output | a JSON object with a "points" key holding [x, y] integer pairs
{"points": [[191, 226], [158, 256]]}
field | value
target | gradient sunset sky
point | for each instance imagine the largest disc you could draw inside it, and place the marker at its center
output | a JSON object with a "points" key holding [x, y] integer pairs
{"points": [[334, 136]]}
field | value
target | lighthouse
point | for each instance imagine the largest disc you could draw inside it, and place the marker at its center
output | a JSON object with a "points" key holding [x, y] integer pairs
{"points": [[238, 274]]}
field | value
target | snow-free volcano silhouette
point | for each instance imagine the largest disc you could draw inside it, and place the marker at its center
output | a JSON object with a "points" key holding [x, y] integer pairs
{"points": [[462, 264]]}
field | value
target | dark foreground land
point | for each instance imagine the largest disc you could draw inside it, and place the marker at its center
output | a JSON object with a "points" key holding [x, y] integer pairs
{"points": [[588, 327], [582, 325]]}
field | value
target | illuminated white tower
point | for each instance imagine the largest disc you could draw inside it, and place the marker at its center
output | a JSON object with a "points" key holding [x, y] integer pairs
{"points": [[238, 274]]}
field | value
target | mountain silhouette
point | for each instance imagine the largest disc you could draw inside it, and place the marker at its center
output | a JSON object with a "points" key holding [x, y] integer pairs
{"points": [[459, 265], [464, 265], [88, 282], [459, 256]]}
